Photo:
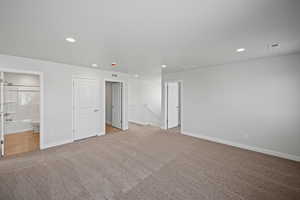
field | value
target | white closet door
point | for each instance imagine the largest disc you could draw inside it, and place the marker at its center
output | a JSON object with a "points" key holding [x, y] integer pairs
{"points": [[173, 106], [117, 105], [86, 108]]}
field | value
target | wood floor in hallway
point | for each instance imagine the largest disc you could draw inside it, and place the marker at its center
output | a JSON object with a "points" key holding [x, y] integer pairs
{"points": [[17, 143], [147, 163], [110, 129]]}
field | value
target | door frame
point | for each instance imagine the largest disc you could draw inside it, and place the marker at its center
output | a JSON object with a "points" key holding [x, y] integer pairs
{"points": [[41, 76], [123, 109], [73, 103], [166, 103]]}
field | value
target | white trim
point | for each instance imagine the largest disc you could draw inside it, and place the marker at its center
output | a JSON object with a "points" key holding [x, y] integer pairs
{"points": [[145, 123], [41, 76], [243, 146], [154, 124], [124, 123], [2, 115], [100, 134], [73, 108], [165, 122], [139, 122], [42, 133], [54, 144], [165, 125]]}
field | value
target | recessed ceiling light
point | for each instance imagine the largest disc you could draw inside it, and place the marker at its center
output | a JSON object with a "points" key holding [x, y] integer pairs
{"points": [[94, 65], [241, 50], [163, 66], [70, 39], [136, 75]]}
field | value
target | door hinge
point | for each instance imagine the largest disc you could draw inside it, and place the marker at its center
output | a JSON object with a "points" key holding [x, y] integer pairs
{"points": [[2, 142]]}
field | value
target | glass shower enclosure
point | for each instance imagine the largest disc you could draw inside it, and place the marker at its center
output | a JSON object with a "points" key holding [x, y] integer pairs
{"points": [[19, 112]]}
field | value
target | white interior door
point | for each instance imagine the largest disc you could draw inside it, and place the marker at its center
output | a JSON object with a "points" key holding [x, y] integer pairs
{"points": [[86, 108], [173, 105], [117, 105]]}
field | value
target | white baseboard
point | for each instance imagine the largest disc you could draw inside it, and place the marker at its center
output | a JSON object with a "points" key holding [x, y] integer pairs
{"points": [[54, 144], [46, 146], [99, 134], [145, 123], [138, 122], [154, 124], [243, 146]]}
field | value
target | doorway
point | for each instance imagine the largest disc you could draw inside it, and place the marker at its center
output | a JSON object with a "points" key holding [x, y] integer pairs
{"points": [[86, 108], [173, 105], [20, 103], [113, 106]]}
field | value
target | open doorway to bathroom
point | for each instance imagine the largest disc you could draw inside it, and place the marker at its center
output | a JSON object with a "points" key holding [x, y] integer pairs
{"points": [[113, 106], [20, 113]]}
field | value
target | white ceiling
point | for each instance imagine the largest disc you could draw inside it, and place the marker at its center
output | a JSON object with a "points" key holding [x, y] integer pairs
{"points": [[140, 35]]}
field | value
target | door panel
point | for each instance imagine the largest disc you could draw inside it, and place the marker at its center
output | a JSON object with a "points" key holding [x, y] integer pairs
{"points": [[117, 105], [86, 108], [173, 104]]}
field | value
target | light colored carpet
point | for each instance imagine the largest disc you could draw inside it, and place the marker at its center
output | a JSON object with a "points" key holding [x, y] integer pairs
{"points": [[147, 163]]}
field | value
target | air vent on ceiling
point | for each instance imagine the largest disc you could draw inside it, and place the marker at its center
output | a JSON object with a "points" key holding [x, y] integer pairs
{"points": [[275, 45]]}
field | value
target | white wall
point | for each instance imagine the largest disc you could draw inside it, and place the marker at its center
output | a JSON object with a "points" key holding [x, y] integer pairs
{"points": [[58, 94], [144, 97], [253, 104], [108, 102]]}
